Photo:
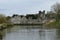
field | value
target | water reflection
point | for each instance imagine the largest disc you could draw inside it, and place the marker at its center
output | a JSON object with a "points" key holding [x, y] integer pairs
{"points": [[48, 34], [17, 33], [58, 34], [1, 34]]}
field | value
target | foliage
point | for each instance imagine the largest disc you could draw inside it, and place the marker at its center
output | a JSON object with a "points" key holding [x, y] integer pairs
{"points": [[31, 16], [55, 24], [2, 18], [56, 9], [50, 15]]}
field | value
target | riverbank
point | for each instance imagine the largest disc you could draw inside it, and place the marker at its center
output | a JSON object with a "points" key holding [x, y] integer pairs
{"points": [[5, 25], [54, 24], [50, 24]]}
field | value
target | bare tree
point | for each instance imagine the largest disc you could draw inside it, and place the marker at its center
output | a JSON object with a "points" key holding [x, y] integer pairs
{"points": [[56, 9]]}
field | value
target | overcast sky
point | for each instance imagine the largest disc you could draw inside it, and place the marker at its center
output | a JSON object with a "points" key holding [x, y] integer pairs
{"points": [[10, 7]]}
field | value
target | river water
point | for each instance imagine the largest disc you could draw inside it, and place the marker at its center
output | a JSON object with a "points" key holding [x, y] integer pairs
{"points": [[18, 33]]}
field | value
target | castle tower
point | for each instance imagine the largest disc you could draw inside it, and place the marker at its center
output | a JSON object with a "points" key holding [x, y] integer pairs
{"points": [[41, 15]]}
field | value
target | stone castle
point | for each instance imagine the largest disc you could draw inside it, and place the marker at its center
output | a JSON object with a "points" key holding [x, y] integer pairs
{"points": [[29, 18]]}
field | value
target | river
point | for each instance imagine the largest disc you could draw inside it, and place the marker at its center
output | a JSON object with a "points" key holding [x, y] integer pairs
{"points": [[18, 33]]}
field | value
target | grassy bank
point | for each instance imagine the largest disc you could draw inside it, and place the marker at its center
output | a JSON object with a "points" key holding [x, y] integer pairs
{"points": [[55, 24]]}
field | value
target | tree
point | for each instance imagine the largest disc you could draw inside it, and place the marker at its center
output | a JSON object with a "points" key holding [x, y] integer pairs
{"points": [[50, 15], [2, 19], [8, 17], [56, 9]]}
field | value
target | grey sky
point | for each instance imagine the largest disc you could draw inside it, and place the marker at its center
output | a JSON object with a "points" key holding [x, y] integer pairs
{"points": [[10, 7]]}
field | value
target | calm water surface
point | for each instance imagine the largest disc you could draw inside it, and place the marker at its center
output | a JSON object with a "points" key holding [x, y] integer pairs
{"points": [[18, 33]]}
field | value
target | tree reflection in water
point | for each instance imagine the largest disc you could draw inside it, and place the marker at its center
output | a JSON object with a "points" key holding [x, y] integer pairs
{"points": [[42, 34], [58, 34], [1, 34], [0, 37]]}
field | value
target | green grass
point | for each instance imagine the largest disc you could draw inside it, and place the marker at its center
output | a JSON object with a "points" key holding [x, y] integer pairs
{"points": [[55, 24]]}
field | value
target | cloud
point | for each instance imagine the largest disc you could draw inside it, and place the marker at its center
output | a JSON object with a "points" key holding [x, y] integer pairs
{"points": [[10, 7]]}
